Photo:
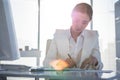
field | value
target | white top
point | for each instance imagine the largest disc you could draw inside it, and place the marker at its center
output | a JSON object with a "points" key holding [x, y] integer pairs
{"points": [[75, 47]]}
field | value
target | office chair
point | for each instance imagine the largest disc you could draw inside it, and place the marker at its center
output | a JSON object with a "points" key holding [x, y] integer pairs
{"points": [[48, 44]]}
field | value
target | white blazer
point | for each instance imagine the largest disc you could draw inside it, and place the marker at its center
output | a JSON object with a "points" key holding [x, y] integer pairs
{"points": [[59, 47]]}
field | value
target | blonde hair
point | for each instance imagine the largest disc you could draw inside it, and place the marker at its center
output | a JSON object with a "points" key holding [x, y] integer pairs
{"points": [[84, 8]]}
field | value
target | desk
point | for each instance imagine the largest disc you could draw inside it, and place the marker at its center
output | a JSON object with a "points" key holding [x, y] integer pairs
{"points": [[62, 75]]}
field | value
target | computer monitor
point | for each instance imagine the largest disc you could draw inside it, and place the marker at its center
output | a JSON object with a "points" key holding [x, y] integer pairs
{"points": [[8, 41]]}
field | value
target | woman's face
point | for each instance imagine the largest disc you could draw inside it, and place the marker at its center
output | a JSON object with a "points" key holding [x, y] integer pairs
{"points": [[79, 21]]}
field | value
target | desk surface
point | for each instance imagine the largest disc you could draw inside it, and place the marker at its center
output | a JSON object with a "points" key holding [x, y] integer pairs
{"points": [[76, 74]]}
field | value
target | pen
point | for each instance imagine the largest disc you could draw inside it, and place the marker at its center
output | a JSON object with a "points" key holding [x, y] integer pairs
{"points": [[72, 59]]}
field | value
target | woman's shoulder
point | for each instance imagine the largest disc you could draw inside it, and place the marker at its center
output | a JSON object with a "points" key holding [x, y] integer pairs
{"points": [[61, 32], [91, 32]]}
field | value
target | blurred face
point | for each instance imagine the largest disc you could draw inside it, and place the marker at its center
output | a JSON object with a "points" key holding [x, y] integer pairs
{"points": [[79, 21]]}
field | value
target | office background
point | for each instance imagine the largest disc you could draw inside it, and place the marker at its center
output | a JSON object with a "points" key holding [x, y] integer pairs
{"points": [[55, 14]]}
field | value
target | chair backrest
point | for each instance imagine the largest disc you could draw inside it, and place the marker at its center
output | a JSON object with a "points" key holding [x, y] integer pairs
{"points": [[48, 44]]}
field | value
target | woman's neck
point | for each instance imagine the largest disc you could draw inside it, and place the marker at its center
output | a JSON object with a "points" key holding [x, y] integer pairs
{"points": [[74, 34]]}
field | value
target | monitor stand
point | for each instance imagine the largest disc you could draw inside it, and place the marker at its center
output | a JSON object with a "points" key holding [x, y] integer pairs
{"points": [[0, 68], [2, 77], [14, 67]]}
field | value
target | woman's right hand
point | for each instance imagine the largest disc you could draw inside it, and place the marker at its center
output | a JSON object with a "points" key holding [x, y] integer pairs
{"points": [[71, 62]]}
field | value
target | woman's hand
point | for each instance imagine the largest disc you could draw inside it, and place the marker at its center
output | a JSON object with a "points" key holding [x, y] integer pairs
{"points": [[70, 62], [90, 62]]}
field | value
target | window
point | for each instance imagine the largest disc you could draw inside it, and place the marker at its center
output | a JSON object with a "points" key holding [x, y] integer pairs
{"points": [[25, 14], [104, 22]]}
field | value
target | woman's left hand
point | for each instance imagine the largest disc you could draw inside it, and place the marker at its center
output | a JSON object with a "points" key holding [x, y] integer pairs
{"points": [[87, 63]]}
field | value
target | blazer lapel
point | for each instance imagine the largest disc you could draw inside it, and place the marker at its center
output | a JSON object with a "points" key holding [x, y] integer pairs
{"points": [[64, 42], [87, 46]]}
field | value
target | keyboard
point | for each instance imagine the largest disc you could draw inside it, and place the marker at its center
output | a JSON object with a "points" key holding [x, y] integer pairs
{"points": [[41, 69], [14, 67]]}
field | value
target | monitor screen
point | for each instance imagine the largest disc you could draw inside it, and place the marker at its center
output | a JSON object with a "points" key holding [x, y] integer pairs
{"points": [[8, 42], [117, 27]]}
